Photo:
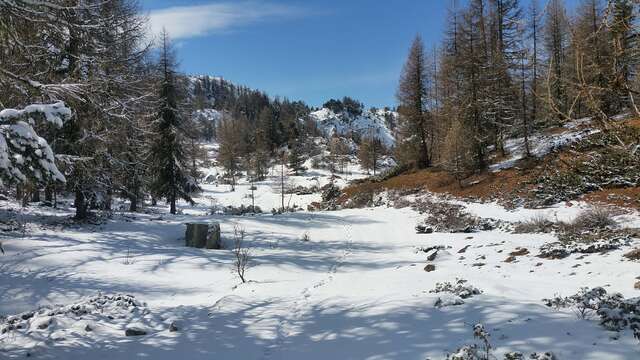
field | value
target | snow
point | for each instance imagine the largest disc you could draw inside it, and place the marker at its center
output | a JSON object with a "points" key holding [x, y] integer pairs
{"points": [[355, 290], [54, 113], [367, 123], [17, 136], [543, 144]]}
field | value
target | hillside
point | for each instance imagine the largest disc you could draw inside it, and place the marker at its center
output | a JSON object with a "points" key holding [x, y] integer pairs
{"points": [[373, 122], [572, 162]]}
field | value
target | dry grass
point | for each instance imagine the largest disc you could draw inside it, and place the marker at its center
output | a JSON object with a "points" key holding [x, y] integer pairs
{"points": [[536, 224], [622, 197], [633, 255]]}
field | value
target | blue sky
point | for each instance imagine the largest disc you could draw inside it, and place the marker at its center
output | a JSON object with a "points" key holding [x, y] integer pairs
{"points": [[309, 50]]}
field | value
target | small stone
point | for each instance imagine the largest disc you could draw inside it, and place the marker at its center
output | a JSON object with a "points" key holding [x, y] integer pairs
{"points": [[433, 255], [519, 252], [430, 268], [637, 285], [87, 328], [422, 229], [173, 327], [134, 330]]}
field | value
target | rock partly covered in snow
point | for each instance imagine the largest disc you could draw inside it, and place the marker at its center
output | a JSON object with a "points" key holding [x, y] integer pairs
{"points": [[376, 123]]}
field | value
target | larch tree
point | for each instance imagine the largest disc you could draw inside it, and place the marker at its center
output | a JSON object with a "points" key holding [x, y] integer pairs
{"points": [[534, 21], [556, 40], [230, 148], [625, 51], [415, 123], [370, 152]]}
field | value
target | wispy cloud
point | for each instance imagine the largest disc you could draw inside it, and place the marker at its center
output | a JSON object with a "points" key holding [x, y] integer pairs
{"points": [[184, 22]]}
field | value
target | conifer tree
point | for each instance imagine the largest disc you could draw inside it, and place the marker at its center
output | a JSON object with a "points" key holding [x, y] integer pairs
{"points": [[416, 128], [369, 154], [172, 180], [229, 152]]}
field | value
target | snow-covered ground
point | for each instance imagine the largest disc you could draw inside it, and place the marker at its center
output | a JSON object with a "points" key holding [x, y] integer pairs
{"points": [[540, 145], [346, 284]]}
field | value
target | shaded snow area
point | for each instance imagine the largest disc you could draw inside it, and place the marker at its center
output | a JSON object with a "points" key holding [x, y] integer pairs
{"points": [[347, 284], [542, 144], [369, 123]]}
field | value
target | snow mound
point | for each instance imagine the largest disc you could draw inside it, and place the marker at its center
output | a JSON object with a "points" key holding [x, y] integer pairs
{"points": [[96, 317]]}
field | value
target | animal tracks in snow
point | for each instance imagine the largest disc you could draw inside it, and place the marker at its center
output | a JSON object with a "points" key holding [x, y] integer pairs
{"points": [[287, 325]]}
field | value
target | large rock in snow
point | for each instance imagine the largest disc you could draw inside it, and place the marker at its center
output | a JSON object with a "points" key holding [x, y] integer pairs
{"points": [[203, 235]]}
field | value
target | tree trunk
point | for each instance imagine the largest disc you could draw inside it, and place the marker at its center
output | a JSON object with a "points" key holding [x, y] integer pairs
{"points": [[133, 203], [172, 200], [48, 194], [108, 201], [35, 195], [81, 206]]}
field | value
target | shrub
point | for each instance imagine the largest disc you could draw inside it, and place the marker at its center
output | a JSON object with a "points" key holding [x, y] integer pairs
{"points": [[598, 218], [615, 312], [536, 224]]}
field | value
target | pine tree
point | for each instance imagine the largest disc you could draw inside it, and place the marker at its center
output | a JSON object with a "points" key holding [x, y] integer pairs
{"points": [[171, 167]]}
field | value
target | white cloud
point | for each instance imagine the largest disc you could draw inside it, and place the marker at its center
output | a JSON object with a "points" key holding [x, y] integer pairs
{"points": [[184, 22]]}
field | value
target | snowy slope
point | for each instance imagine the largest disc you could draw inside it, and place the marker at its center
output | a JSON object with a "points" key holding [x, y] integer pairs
{"points": [[346, 284], [367, 123]]}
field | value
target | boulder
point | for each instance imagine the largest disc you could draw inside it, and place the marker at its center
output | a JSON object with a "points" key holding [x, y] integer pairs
{"points": [[196, 235], [213, 236], [203, 235]]}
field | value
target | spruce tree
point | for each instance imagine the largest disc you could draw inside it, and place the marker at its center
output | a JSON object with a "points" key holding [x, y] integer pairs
{"points": [[172, 180]]}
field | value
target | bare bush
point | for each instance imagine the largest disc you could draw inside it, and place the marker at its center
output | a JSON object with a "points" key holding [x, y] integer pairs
{"points": [[443, 216], [128, 259], [597, 218], [241, 252], [536, 224], [614, 311]]}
